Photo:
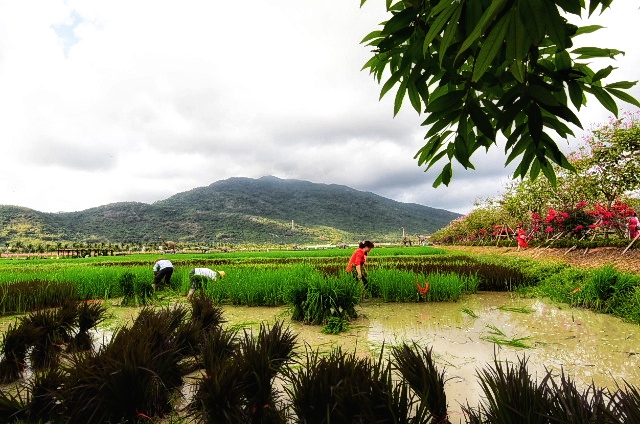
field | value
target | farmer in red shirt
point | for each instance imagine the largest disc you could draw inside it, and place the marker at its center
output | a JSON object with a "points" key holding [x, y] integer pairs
{"points": [[358, 260]]}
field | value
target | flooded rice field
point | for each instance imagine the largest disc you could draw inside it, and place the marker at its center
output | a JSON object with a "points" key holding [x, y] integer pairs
{"points": [[587, 346]]}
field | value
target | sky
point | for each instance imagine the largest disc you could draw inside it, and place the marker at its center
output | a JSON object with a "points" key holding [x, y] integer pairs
{"points": [[115, 101]]}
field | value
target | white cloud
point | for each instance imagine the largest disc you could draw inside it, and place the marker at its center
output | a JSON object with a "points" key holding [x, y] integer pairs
{"points": [[135, 101]]}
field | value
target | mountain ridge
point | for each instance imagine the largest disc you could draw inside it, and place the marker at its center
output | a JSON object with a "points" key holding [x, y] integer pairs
{"points": [[234, 210]]}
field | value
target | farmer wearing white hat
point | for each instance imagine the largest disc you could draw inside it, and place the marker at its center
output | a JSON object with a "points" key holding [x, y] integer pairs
{"points": [[199, 276]]}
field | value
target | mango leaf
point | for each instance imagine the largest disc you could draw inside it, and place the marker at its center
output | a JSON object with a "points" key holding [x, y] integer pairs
{"points": [[555, 27], [621, 84], [570, 6], [547, 170], [450, 100], [487, 18], [444, 177], [449, 33], [397, 104], [575, 94], [532, 14], [622, 96], [490, 47], [605, 99], [588, 29], [393, 79], [591, 52], [535, 123], [602, 73], [438, 24], [480, 119]]}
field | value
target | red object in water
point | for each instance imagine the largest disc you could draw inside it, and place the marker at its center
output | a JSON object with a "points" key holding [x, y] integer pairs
{"points": [[423, 290]]}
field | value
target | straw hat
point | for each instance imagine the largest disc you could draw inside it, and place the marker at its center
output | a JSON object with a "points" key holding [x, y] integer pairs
{"points": [[222, 274]]}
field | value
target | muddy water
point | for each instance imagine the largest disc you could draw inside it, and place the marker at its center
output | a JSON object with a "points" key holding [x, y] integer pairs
{"points": [[587, 346]]}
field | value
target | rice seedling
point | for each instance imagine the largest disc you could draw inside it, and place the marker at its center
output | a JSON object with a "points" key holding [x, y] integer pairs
{"points": [[469, 312], [335, 325], [90, 315], [49, 329], [416, 365], [518, 309], [570, 405], [42, 401], [27, 296], [205, 312], [261, 359], [13, 404], [627, 403], [511, 395], [499, 338], [15, 342], [343, 388], [333, 297]]}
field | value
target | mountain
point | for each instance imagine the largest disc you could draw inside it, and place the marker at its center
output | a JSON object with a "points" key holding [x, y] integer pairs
{"points": [[236, 210]]}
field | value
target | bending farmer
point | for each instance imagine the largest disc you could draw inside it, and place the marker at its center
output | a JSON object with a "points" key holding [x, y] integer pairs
{"points": [[162, 269], [199, 276], [357, 262]]}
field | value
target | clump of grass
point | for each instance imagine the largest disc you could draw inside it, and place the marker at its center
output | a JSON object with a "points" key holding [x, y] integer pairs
{"points": [[27, 296], [15, 342], [90, 315]]}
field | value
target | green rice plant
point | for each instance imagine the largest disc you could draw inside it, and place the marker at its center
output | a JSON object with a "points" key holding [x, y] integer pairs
{"points": [[15, 343], [205, 312], [136, 374], [335, 325], [90, 314], [343, 388], [627, 403], [511, 395], [261, 359], [27, 296], [469, 312], [499, 338], [518, 309], [333, 297], [417, 367], [570, 405], [43, 404], [49, 329], [598, 288], [13, 404]]}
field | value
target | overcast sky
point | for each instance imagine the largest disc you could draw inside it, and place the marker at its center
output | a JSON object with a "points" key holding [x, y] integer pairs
{"points": [[113, 101]]}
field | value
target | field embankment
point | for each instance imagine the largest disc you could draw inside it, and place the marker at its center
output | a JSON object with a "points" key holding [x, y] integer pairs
{"points": [[580, 258]]}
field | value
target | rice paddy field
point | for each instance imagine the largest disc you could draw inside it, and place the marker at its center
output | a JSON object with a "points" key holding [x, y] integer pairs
{"points": [[450, 335]]}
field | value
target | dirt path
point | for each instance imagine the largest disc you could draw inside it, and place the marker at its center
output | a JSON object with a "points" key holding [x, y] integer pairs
{"points": [[581, 258]]}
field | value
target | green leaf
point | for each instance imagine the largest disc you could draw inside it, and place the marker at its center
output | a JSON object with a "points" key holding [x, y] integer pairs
{"points": [[555, 26], [449, 33], [622, 84], [570, 6], [535, 123], [535, 170], [414, 97], [372, 35], [397, 104], [399, 21], [438, 24], [393, 79], [588, 29], [602, 73], [623, 96], [532, 14], [547, 170], [480, 119], [562, 60], [542, 95], [450, 100], [444, 177], [487, 18], [605, 99], [591, 52], [575, 94], [448, 119], [491, 47]]}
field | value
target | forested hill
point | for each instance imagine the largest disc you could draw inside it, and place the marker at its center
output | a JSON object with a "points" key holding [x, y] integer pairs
{"points": [[236, 210]]}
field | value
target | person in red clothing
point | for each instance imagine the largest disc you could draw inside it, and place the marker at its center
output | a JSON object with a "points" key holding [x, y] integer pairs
{"points": [[357, 262], [633, 226], [522, 238]]}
